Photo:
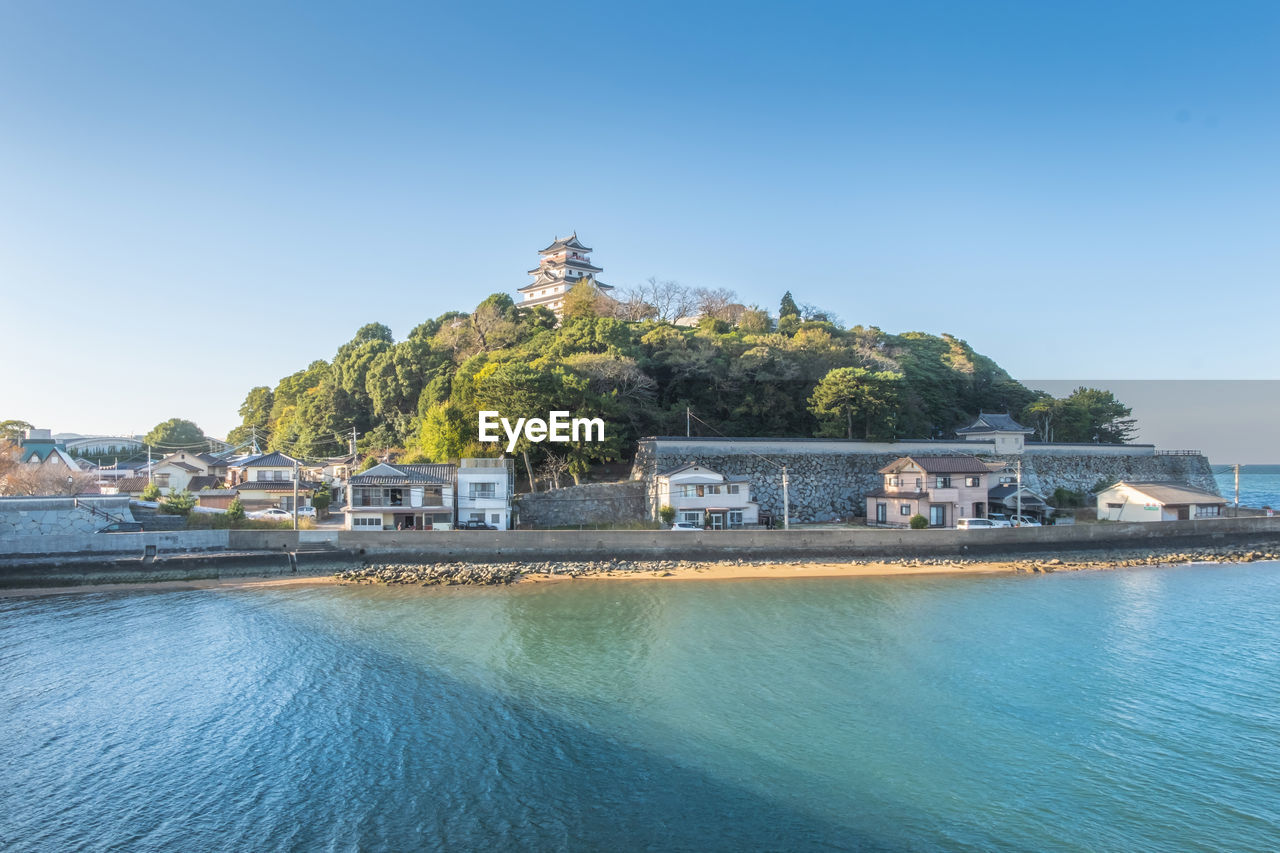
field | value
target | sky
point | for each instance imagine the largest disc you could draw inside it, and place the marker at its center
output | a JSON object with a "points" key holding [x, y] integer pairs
{"points": [[200, 198]]}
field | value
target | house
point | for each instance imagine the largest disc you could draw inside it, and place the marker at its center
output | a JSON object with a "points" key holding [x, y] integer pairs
{"points": [[562, 265], [1157, 502], [485, 489], [941, 488], [1007, 499], [38, 447], [265, 480], [399, 497], [707, 498], [1008, 435], [188, 471], [131, 486]]}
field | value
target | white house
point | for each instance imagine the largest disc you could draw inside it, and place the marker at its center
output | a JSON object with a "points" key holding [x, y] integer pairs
{"points": [[1008, 435], [485, 489], [402, 497], [705, 497], [1157, 502]]}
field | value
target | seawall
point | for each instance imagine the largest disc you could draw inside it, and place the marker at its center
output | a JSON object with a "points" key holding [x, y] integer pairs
{"points": [[251, 553]]}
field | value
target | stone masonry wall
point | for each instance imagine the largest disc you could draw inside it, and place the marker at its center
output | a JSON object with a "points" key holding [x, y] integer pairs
{"points": [[826, 486], [46, 516], [594, 503]]}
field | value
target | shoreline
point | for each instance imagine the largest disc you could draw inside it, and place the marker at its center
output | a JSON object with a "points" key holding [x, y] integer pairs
{"points": [[516, 573]]}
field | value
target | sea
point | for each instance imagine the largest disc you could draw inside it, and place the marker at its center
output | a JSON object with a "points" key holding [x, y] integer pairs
{"points": [[1121, 710], [1259, 484]]}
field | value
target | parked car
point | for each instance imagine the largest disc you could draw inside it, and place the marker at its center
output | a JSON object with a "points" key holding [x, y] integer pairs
{"points": [[306, 512], [474, 524], [275, 513], [979, 524], [123, 527], [685, 525], [1025, 521]]}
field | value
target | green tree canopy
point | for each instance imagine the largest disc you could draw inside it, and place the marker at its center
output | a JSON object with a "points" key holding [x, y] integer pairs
{"points": [[13, 430], [176, 434], [849, 395]]}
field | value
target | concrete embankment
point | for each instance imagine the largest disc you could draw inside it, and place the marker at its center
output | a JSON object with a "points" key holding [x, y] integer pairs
{"points": [[27, 561]]}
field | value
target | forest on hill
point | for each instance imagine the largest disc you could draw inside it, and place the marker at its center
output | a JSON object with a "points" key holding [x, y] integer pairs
{"points": [[739, 371]]}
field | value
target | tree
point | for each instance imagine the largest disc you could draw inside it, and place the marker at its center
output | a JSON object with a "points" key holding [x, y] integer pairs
{"points": [[670, 300], [176, 434], [667, 514], [847, 394], [13, 430], [788, 307], [178, 503], [918, 522], [321, 499], [553, 469], [151, 493], [584, 300], [235, 511]]}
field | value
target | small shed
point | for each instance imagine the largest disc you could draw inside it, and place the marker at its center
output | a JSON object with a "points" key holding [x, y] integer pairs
{"points": [[1157, 502]]}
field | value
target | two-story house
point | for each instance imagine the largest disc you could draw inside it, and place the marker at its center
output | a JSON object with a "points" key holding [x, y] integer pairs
{"points": [[941, 488], [267, 480], [705, 497], [401, 497], [485, 489]]}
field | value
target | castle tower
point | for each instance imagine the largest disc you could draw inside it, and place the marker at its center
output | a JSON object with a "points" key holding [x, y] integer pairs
{"points": [[564, 263]]}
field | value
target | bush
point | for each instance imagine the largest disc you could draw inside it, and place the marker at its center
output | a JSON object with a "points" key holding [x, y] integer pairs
{"points": [[667, 514], [151, 493], [178, 503], [919, 522], [235, 510], [320, 500], [1067, 498]]}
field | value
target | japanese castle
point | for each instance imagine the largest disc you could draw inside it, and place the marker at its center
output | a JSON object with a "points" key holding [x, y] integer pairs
{"points": [[564, 263]]}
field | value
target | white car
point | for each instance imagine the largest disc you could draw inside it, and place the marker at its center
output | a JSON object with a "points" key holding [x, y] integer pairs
{"points": [[275, 513], [1025, 521], [979, 524], [685, 525], [306, 512]]}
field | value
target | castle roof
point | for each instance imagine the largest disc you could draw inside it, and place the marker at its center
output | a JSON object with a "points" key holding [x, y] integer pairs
{"points": [[570, 242], [991, 422]]}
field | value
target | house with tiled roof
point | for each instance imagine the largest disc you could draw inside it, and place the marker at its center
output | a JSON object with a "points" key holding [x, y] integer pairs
{"points": [[402, 497], [705, 497], [941, 488], [1008, 435]]}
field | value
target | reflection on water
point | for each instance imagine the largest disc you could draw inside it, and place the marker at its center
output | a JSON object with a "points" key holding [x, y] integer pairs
{"points": [[1055, 712]]}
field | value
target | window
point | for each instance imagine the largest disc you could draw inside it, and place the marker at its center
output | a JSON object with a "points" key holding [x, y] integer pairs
{"points": [[735, 518], [713, 490], [919, 484], [882, 513], [942, 482], [973, 482], [691, 517], [494, 519], [484, 490], [733, 490], [1208, 511], [904, 509], [1115, 506], [161, 480], [938, 516], [893, 481], [366, 521]]}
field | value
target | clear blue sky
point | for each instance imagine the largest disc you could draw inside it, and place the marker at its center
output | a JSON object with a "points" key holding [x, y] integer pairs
{"points": [[199, 198]]}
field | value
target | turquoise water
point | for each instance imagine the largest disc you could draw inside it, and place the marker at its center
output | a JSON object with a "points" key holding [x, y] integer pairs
{"points": [[1259, 485], [1128, 710]]}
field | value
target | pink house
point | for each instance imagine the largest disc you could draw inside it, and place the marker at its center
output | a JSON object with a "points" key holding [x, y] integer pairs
{"points": [[941, 488]]}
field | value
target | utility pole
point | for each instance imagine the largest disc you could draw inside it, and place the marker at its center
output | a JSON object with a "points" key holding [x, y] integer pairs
{"points": [[353, 445], [149, 480], [1018, 521], [688, 422], [1237, 467], [254, 446], [295, 494], [786, 501]]}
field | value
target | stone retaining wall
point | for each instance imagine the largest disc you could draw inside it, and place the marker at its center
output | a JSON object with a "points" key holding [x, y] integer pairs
{"points": [[53, 515], [594, 503]]}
